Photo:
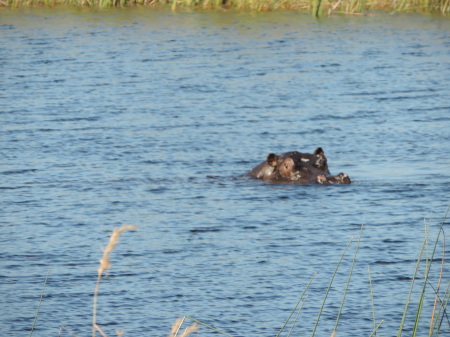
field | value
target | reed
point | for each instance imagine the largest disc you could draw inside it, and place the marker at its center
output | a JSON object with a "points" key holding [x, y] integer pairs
{"points": [[437, 316], [428, 264], [348, 282], [177, 326], [316, 7], [372, 302], [296, 306], [105, 264], [40, 302], [63, 328], [329, 287]]}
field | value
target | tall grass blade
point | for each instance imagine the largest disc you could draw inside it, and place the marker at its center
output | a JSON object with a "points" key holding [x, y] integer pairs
{"points": [[442, 311], [296, 317], [40, 302], [402, 322], [208, 326], [373, 302], [64, 328], [329, 287], [296, 306], [317, 8], [427, 271], [374, 332], [436, 298], [348, 281]]}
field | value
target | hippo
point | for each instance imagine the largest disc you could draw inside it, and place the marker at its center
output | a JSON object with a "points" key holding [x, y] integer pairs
{"points": [[297, 168]]}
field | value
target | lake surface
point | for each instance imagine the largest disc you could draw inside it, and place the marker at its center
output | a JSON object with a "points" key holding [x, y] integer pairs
{"points": [[150, 118]]}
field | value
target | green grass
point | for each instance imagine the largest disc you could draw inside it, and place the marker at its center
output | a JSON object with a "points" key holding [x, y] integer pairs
{"points": [[316, 7], [438, 315]]}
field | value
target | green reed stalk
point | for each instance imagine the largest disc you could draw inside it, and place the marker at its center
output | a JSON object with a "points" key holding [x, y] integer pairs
{"points": [[296, 306], [374, 332], [296, 317], [329, 287], [402, 6], [62, 327], [362, 4], [436, 298], [348, 282], [373, 302], [40, 302], [208, 326], [353, 6], [272, 5], [443, 308], [317, 8], [402, 323], [441, 311], [427, 271], [445, 7]]}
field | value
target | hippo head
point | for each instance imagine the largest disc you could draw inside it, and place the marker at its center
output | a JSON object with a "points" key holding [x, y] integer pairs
{"points": [[297, 167]]}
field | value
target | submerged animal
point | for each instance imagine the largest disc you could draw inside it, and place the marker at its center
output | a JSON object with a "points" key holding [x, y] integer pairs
{"points": [[297, 168]]}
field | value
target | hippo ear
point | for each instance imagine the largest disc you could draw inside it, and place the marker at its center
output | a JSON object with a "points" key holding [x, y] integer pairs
{"points": [[272, 159], [319, 151]]}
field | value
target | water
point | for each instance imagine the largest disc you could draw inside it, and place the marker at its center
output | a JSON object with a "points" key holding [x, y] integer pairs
{"points": [[150, 118]]}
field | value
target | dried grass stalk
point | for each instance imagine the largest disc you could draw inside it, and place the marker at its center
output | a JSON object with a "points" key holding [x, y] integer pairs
{"points": [[113, 240], [177, 325], [104, 265]]}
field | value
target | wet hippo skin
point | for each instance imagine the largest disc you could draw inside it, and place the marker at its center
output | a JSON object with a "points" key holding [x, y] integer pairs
{"points": [[297, 168]]}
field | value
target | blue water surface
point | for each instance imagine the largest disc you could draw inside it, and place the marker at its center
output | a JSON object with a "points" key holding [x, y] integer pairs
{"points": [[148, 117]]}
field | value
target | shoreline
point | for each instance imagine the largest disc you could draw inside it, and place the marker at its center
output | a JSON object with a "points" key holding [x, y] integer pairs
{"points": [[316, 8]]}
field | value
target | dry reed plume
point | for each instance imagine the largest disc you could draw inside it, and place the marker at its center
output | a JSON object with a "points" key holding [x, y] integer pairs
{"points": [[104, 265], [113, 240], [177, 325]]}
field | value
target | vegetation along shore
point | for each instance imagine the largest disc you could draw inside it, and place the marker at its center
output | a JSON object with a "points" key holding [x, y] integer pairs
{"points": [[316, 7]]}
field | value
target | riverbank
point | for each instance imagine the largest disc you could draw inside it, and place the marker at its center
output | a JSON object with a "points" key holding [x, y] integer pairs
{"points": [[316, 7]]}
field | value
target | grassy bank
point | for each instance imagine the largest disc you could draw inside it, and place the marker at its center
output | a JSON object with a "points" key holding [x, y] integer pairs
{"points": [[316, 7]]}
